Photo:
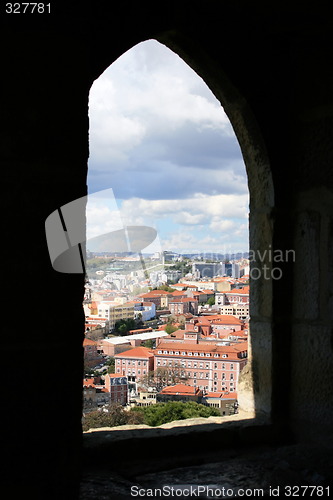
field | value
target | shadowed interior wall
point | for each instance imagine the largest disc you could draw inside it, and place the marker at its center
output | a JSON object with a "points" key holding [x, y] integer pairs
{"points": [[271, 69]]}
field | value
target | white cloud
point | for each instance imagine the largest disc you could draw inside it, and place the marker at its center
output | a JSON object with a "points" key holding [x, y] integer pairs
{"points": [[200, 206], [162, 141], [129, 102]]}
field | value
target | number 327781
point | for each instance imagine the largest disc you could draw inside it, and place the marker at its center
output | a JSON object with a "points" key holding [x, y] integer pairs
{"points": [[28, 8]]}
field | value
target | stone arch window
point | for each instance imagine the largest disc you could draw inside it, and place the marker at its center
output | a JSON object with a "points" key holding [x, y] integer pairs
{"points": [[258, 396]]}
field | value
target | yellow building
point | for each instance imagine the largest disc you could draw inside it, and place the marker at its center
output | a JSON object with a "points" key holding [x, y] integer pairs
{"points": [[115, 311]]}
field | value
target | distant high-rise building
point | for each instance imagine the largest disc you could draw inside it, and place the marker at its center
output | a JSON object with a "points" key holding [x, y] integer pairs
{"points": [[211, 269], [207, 269]]}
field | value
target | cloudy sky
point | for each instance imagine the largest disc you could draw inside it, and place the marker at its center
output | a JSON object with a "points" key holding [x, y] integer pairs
{"points": [[163, 144]]}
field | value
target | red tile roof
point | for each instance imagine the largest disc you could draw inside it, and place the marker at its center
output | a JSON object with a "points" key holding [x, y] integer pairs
{"points": [[187, 299], [204, 321], [87, 342], [181, 389], [88, 382], [140, 330], [153, 293], [240, 291], [203, 347], [137, 352], [177, 333], [226, 319], [221, 395]]}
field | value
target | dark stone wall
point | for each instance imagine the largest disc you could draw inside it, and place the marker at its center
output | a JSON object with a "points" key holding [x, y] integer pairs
{"points": [[270, 66]]}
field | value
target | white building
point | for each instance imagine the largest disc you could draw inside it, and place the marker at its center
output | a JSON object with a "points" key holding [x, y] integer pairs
{"points": [[146, 309]]}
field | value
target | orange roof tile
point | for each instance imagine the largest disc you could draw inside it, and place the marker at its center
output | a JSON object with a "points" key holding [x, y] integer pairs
{"points": [[88, 342], [152, 293], [223, 395], [187, 299], [241, 291], [136, 352], [203, 347], [88, 382], [227, 319], [140, 330], [180, 389]]}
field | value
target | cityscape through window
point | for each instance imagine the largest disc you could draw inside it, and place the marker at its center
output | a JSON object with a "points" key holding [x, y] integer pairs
{"points": [[167, 262]]}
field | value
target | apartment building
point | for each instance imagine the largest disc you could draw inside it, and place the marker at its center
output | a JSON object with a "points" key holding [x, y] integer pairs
{"points": [[183, 306], [145, 310], [117, 387], [225, 402], [235, 296], [90, 353], [158, 297], [134, 364], [179, 392], [94, 394], [144, 398], [235, 302], [220, 323], [240, 311], [200, 285], [114, 311], [208, 366]]}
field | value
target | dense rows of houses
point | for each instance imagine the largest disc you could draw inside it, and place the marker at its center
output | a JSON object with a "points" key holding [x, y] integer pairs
{"points": [[105, 307], [201, 361], [205, 358]]}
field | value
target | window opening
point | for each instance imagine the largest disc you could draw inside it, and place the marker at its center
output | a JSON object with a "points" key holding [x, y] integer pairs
{"points": [[161, 143]]}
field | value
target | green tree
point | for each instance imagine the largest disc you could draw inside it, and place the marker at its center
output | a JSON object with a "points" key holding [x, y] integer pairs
{"points": [[162, 413], [123, 326], [170, 329], [211, 301], [148, 343], [166, 288], [111, 365]]}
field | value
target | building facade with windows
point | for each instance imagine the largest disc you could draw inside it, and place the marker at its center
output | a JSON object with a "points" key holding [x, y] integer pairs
{"points": [[114, 311], [179, 392], [235, 296], [225, 402], [117, 387], [210, 367], [134, 364], [95, 394], [183, 306]]}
